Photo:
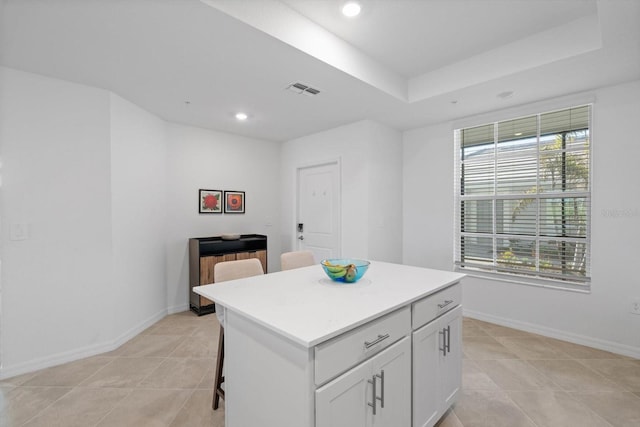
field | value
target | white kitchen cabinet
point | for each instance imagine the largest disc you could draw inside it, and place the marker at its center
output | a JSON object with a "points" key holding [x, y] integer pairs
{"points": [[437, 374], [426, 358], [302, 351], [373, 394], [451, 362], [343, 402], [395, 364]]}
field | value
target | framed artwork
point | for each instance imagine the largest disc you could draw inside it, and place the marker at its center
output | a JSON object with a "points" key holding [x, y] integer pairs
{"points": [[210, 201], [234, 202]]}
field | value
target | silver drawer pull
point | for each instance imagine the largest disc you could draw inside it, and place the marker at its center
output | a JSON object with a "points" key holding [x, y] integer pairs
{"points": [[380, 338], [446, 303]]}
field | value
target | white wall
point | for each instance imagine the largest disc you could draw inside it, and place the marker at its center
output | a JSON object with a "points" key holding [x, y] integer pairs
{"points": [[385, 193], [371, 186], [108, 192], [138, 206], [54, 145], [601, 318], [206, 159], [428, 197]]}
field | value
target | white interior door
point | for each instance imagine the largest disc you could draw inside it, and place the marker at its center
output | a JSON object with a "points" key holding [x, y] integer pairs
{"points": [[318, 216]]}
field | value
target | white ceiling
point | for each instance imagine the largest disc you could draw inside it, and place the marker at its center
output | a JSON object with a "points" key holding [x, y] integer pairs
{"points": [[413, 37], [402, 62]]}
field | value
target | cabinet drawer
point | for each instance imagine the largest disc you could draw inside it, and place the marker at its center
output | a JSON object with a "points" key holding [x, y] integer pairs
{"points": [[341, 353], [427, 309]]}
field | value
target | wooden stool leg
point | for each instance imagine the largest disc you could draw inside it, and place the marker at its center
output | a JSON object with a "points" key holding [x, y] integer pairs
{"points": [[217, 386]]}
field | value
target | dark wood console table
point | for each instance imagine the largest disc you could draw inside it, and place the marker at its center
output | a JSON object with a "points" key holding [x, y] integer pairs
{"points": [[206, 252]]}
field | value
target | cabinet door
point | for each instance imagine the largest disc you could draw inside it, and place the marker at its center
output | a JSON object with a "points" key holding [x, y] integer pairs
{"points": [[392, 371], [347, 401], [207, 264], [437, 369], [260, 255], [427, 344], [343, 401], [451, 364]]}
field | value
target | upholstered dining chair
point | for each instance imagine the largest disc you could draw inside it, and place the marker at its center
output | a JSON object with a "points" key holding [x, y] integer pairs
{"points": [[223, 271], [296, 259]]}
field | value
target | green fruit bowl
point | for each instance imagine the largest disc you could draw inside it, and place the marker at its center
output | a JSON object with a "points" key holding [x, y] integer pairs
{"points": [[346, 270]]}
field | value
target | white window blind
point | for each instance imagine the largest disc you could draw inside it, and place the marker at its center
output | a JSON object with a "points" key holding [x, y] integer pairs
{"points": [[523, 196]]}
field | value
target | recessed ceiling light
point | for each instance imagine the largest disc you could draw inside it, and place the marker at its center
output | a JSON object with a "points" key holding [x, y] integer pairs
{"points": [[241, 116], [351, 9], [518, 134]]}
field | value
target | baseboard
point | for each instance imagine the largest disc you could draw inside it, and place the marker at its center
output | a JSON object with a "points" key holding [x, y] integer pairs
{"points": [[178, 308], [80, 353], [609, 346]]}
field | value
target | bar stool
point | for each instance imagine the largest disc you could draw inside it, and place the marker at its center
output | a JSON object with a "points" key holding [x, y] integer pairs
{"points": [[223, 271], [296, 259]]}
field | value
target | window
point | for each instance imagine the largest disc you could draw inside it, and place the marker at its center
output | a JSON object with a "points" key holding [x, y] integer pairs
{"points": [[523, 197]]}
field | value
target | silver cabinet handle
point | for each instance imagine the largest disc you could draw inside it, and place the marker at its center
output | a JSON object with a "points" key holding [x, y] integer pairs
{"points": [[381, 398], [448, 339], [443, 349], [445, 303], [380, 338], [374, 394], [372, 381]]}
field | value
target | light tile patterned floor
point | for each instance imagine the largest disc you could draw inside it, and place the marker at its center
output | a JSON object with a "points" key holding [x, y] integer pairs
{"points": [[164, 377], [513, 378]]}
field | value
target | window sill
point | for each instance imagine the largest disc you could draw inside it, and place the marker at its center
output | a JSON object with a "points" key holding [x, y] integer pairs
{"points": [[528, 281]]}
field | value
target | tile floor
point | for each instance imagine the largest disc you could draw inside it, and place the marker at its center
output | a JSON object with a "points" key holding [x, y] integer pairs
{"points": [[513, 378], [164, 377]]}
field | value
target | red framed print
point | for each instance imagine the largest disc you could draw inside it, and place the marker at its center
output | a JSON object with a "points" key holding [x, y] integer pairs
{"points": [[234, 202], [210, 201]]}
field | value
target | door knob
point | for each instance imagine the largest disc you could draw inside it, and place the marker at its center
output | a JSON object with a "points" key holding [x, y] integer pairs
{"points": [[301, 238]]}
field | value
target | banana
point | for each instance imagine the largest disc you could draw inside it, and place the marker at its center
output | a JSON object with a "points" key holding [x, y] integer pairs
{"points": [[338, 274], [334, 268], [335, 271], [343, 273]]}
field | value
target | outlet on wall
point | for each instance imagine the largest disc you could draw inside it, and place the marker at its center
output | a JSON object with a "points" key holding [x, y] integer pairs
{"points": [[635, 306]]}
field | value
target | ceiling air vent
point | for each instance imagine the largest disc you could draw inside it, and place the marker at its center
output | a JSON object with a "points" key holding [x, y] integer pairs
{"points": [[301, 88]]}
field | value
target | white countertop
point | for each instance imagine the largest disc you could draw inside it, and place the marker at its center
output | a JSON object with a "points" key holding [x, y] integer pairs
{"points": [[308, 308]]}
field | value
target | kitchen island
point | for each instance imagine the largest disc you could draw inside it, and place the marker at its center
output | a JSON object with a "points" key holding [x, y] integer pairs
{"points": [[304, 351]]}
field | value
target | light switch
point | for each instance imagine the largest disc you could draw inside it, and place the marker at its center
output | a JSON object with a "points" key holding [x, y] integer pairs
{"points": [[19, 231]]}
